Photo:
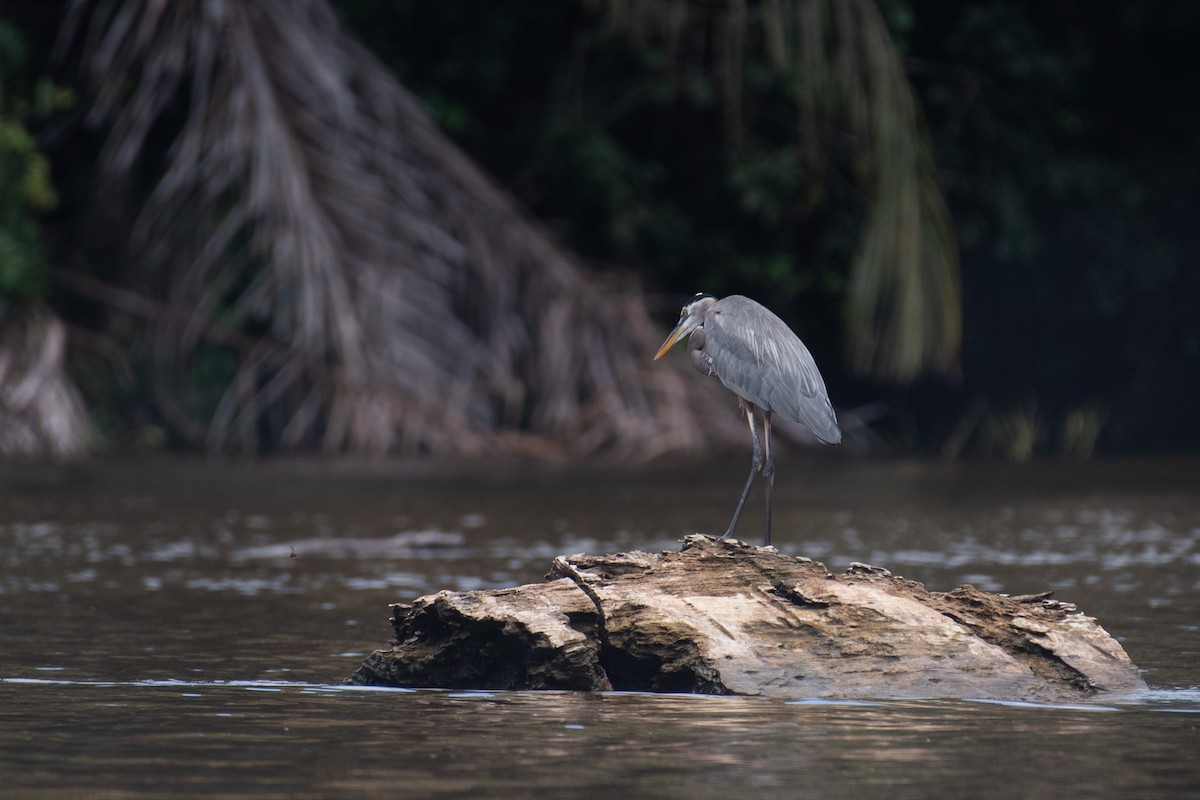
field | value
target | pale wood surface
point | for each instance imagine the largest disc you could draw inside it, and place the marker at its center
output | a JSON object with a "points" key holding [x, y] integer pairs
{"points": [[724, 617]]}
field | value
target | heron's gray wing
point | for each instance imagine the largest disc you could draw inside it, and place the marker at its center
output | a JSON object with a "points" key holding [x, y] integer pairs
{"points": [[758, 357]]}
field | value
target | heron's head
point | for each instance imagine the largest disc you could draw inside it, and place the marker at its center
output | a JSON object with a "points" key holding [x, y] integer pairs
{"points": [[691, 317]]}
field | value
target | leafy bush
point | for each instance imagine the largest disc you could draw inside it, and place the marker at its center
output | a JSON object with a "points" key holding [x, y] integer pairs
{"points": [[25, 188]]}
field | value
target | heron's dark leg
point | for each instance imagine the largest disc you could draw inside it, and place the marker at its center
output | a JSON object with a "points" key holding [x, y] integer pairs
{"points": [[768, 470], [755, 466]]}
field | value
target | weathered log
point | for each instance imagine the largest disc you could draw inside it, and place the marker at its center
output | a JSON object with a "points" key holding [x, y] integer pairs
{"points": [[724, 617]]}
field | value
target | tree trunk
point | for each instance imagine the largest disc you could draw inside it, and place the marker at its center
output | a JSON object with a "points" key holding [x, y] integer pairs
{"points": [[724, 617]]}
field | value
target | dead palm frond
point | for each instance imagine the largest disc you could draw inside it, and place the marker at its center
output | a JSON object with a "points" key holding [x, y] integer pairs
{"points": [[408, 303], [903, 304], [41, 412]]}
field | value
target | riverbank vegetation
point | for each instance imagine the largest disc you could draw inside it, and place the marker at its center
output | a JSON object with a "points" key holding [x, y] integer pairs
{"points": [[455, 229]]}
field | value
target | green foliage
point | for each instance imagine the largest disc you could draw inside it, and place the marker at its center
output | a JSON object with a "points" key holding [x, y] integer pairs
{"points": [[1014, 433], [766, 184], [25, 187], [772, 149], [1081, 430], [1070, 149]]}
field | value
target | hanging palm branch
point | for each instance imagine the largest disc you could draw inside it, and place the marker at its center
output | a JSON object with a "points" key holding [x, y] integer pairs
{"points": [[903, 304], [381, 293]]}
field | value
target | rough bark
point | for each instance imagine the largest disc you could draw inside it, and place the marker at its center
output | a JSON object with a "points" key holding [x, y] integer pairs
{"points": [[724, 617]]}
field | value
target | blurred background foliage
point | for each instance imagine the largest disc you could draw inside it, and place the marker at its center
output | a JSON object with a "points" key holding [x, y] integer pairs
{"points": [[1062, 137], [25, 185], [1066, 143]]}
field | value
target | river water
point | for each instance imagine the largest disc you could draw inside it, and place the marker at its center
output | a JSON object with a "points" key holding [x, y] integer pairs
{"points": [[181, 627]]}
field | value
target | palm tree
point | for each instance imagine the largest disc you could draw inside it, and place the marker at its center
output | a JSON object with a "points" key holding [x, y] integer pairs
{"points": [[381, 293]]}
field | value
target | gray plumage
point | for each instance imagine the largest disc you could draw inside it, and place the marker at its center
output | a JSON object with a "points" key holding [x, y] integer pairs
{"points": [[757, 357]]}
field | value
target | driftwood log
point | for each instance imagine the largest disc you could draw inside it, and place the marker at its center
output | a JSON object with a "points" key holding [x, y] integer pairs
{"points": [[724, 617]]}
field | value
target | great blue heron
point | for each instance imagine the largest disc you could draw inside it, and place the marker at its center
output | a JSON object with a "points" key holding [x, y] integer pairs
{"points": [[756, 355]]}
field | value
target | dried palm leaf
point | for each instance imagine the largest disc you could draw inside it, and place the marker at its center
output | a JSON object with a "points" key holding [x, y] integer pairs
{"points": [[409, 304], [41, 412]]}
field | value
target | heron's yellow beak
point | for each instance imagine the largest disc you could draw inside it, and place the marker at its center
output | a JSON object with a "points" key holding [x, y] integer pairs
{"points": [[680, 331]]}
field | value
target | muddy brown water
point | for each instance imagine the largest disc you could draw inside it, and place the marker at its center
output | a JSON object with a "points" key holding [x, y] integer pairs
{"points": [[158, 637]]}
